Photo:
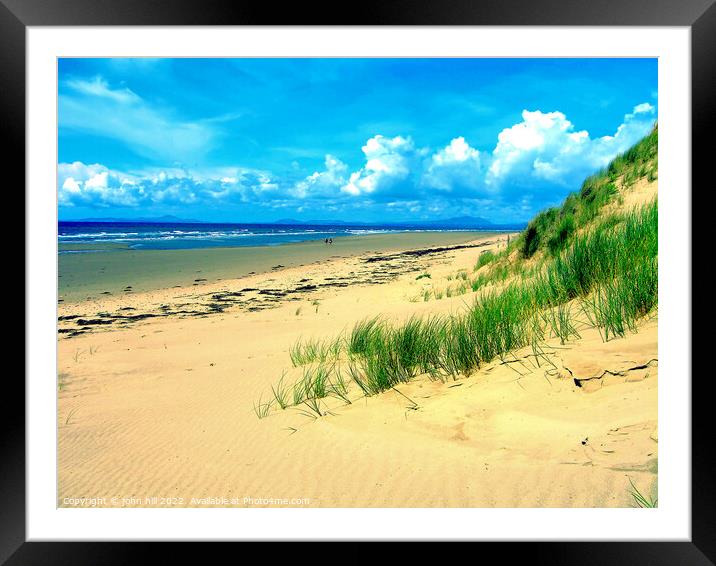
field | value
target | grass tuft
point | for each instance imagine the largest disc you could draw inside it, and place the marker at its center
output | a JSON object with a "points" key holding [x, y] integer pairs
{"points": [[485, 258], [641, 500], [280, 392], [262, 409]]}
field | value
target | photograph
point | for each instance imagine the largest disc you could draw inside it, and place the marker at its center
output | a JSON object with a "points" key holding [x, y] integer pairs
{"points": [[357, 282]]}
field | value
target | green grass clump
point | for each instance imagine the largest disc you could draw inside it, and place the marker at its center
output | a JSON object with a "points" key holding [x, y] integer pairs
{"points": [[537, 231], [316, 381], [478, 282], [407, 341], [560, 321], [311, 351], [425, 275], [304, 352], [608, 252], [498, 272], [393, 356], [396, 354], [362, 339], [617, 305], [485, 258], [563, 232]]}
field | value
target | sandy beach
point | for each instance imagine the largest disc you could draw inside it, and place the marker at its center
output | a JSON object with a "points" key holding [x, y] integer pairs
{"points": [[161, 364]]}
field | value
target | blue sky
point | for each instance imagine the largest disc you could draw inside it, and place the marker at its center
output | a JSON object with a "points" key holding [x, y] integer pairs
{"points": [[351, 139]]}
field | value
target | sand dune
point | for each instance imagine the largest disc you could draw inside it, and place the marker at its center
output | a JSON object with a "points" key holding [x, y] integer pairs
{"points": [[162, 407]]}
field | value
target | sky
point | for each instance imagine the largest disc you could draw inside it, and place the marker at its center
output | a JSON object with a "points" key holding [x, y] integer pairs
{"points": [[376, 140]]}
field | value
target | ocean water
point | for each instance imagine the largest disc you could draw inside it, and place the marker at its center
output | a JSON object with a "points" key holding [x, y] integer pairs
{"points": [[84, 237]]}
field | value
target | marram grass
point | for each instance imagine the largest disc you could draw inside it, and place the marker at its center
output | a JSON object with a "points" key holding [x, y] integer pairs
{"points": [[607, 267]]}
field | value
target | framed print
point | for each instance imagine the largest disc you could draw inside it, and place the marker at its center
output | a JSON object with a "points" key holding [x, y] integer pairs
{"points": [[414, 276]]}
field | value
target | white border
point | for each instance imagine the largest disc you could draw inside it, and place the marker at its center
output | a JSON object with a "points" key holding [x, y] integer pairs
{"points": [[670, 521]]}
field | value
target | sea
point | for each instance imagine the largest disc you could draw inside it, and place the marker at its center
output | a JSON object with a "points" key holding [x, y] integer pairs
{"points": [[86, 237]]}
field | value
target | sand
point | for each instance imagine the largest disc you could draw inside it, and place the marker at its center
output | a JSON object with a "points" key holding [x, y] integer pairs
{"points": [[159, 411]]}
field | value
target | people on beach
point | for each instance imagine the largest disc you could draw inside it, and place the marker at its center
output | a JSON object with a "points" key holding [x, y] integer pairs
{"points": [[330, 241]]}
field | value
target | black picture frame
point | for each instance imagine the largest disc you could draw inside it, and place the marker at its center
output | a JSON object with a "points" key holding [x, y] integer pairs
{"points": [[699, 15]]}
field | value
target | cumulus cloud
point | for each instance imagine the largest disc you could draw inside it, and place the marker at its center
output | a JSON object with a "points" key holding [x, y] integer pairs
{"points": [[545, 146], [454, 168], [322, 183], [94, 185], [389, 164]]}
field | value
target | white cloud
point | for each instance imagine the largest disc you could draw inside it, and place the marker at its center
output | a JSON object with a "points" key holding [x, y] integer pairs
{"points": [[94, 185], [118, 113], [325, 182], [539, 136], [454, 168], [644, 107], [97, 186], [389, 162], [99, 87], [546, 147]]}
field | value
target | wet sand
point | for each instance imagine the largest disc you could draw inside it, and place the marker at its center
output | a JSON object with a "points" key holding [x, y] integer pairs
{"points": [[92, 275]]}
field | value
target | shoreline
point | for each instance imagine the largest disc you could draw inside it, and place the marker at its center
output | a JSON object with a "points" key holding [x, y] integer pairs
{"points": [[97, 275], [261, 290]]}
